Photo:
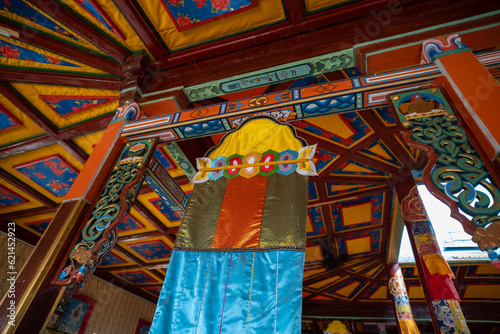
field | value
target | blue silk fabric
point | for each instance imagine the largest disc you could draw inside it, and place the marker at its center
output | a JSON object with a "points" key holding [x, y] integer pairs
{"points": [[231, 292]]}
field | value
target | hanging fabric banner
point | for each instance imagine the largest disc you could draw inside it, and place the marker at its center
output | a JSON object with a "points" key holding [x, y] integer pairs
{"points": [[238, 258]]}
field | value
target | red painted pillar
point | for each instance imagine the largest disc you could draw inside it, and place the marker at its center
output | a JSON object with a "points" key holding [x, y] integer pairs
{"points": [[473, 89]]}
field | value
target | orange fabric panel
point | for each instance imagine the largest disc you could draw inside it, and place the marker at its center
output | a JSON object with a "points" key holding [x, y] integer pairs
{"points": [[240, 218]]}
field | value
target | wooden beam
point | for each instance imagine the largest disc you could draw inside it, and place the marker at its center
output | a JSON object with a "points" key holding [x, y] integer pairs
{"points": [[27, 108], [131, 12], [62, 14], [284, 43], [42, 40], [59, 78], [74, 151], [27, 213]]}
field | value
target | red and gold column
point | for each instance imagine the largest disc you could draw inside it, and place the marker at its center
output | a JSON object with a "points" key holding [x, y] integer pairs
{"points": [[434, 273], [397, 288]]}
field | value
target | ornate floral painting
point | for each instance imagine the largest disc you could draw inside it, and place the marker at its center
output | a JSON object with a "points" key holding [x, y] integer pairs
{"points": [[190, 13], [71, 315]]}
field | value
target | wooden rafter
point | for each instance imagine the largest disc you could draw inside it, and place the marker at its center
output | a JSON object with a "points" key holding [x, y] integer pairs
{"points": [[84, 29], [152, 41], [42, 40]]}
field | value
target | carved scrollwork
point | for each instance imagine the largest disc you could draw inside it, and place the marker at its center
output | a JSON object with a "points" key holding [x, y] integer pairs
{"points": [[455, 172], [99, 234]]}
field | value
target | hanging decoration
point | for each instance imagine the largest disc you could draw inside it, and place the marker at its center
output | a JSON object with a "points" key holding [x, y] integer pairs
{"points": [[240, 247]]}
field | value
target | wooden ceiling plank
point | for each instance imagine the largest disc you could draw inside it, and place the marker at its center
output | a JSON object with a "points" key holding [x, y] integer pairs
{"points": [[25, 188], [138, 22], [88, 127], [355, 180], [59, 78], [368, 286], [348, 196], [43, 41], [97, 38], [14, 97]]}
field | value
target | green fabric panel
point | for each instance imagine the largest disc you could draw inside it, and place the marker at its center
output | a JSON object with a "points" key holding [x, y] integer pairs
{"points": [[285, 212], [202, 212]]}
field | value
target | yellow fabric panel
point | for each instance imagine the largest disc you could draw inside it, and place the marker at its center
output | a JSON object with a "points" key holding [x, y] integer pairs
{"points": [[255, 137], [358, 245], [27, 129], [267, 12], [313, 5], [187, 187], [32, 91], [8, 163], [408, 326], [24, 206], [333, 124], [132, 41], [483, 291], [81, 41], [381, 293], [357, 214], [436, 264], [144, 200], [31, 64], [347, 290], [87, 142]]}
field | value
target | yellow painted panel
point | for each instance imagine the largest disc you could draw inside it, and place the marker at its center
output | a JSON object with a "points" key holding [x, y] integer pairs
{"points": [[8, 163], [31, 204], [372, 272], [31, 64], [27, 129], [377, 149], [87, 142], [486, 269], [416, 292], [482, 291], [358, 245], [333, 124], [381, 293], [141, 220], [22, 221], [267, 12], [132, 40], [356, 168], [313, 5], [309, 225], [29, 23], [357, 214], [32, 91], [313, 253], [163, 239], [323, 283], [309, 273], [347, 290], [144, 199]]}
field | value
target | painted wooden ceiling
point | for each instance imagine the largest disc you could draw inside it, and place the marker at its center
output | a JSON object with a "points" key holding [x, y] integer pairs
{"points": [[60, 79]]}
